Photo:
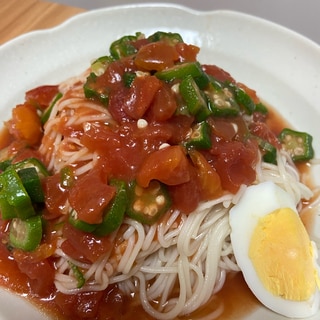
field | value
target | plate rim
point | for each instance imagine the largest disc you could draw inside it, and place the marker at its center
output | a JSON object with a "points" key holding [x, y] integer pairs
{"points": [[165, 5]]}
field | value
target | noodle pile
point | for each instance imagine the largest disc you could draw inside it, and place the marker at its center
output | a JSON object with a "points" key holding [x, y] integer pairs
{"points": [[176, 264]]}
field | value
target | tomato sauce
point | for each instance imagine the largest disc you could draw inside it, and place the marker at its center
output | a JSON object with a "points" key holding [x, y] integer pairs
{"points": [[235, 297]]}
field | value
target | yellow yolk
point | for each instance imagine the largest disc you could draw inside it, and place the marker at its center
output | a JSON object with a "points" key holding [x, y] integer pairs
{"points": [[282, 256]]}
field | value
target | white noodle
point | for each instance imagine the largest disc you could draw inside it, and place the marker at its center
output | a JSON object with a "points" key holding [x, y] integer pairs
{"points": [[190, 252]]}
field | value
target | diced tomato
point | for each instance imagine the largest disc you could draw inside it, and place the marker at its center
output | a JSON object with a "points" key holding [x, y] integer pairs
{"points": [[112, 77], [209, 180], [153, 135], [55, 196], [263, 131], [168, 165], [156, 56], [42, 252], [186, 196], [163, 106], [42, 96], [217, 72], [14, 148], [140, 96], [102, 305], [26, 153], [121, 153], [11, 277], [25, 124], [187, 52], [82, 305], [181, 125], [117, 100], [41, 275], [233, 128], [5, 137], [234, 162], [90, 194], [119, 302], [100, 138], [82, 245], [140, 43], [133, 102], [125, 147]]}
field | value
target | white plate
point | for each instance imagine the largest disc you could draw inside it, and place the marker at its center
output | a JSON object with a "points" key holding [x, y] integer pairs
{"points": [[281, 65]]}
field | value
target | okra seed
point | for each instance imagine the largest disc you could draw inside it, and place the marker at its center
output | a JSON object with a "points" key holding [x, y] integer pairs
{"points": [[138, 205], [160, 200], [228, 93], [142, 123], [141, 74], [235, 127], [300, 140], [196, 135], [298, 151], [18, 229], [219, 102], [189, 134], [164, 145], [138, 191], [150, 210], [175, 88]]}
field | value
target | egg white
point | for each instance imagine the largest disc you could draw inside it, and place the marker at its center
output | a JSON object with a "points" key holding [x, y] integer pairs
{"points": [[256, 202]]}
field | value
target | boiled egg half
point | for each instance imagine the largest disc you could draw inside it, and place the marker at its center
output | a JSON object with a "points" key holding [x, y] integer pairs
{"points": [[274, 251]]}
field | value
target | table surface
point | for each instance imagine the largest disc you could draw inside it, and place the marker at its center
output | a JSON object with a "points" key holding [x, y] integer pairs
{"points": [[21, 16]]}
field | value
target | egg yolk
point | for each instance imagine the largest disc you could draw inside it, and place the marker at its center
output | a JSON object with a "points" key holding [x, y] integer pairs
{"points": [[282, 255]]}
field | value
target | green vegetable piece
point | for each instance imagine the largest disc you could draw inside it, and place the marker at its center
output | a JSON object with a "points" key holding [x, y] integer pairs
{"points": [[147, 205], [14, 196], [124, 47], [268, 150], [7, 211], [5, 164], [32, 163], [25, 234], [79, 224], [194, 98], [244, 100], [169, 37], [297, 144], [222, 101], [200, 136], [114, 213], [46, 114], [77, 274], [180, 71], [92, 91], [32, 184], [100, 65], [260, 107], [128, 78]]}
